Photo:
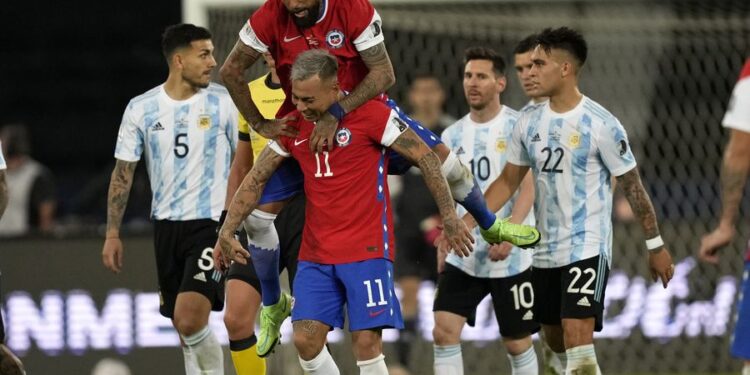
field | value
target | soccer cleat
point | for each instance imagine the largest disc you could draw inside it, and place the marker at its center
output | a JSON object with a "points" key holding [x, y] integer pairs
{"points": [[271, 318], [523, 236]]}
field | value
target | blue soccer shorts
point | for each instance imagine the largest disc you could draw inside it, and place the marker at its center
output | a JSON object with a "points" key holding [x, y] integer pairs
{"points": [[366, 289], [284, 183], [397, 164], [741, 337]]}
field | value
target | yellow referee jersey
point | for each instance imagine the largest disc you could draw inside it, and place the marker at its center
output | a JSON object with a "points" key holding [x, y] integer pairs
{"points": [[268, 97]]}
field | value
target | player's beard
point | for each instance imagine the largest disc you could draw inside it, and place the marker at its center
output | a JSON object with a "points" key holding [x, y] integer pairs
{"points": [[309, 20], [195, 82]]}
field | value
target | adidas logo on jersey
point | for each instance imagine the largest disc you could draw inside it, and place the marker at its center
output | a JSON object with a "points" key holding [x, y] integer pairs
{"points": [[460, 151], [158, 126], [201, 277], [583, 302], [536, 138], [528, 316]]}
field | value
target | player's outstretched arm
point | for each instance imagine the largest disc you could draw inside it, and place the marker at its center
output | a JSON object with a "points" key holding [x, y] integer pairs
{"points": [[411, 147], [245, 200], [241, 58], [660, 261], [521, 209], [377, 81], [3, 193], [734, 172], [503, 188], [117, 200]]}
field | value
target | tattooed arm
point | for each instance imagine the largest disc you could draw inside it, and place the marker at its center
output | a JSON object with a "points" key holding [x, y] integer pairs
{"points": [[379, 79], [412, 148], [660, 261], [734, 173], [3, 193], [245, 200], [119, 191], [241, 58]]}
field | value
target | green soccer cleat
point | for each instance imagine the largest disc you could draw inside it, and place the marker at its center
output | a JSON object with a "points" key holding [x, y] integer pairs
{"points": [[271, 318], [523, 236]]}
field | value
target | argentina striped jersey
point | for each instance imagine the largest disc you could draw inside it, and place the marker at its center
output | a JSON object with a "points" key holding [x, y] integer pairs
{"points": [[573, 156], [188, 146], [483, 148]]}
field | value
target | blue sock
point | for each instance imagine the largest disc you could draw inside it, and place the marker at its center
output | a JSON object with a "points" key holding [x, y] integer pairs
{"points": [[466, 191], [476, 205], [266, 263]]}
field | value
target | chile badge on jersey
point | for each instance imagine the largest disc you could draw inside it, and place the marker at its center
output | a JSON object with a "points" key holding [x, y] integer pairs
{"points": [[348, 213], [573, 156], [344, 28], [188, 146]]}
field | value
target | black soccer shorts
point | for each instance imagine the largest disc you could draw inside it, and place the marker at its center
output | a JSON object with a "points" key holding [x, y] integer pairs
{"points": [[184, 262], [512, 298], [574, 291]]}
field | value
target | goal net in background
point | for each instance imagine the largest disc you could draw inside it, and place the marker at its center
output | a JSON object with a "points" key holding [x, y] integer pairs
{"points": [[666, 70]]}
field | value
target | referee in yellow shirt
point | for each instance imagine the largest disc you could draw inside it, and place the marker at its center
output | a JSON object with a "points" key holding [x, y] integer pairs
{"points": [[242, 286]]}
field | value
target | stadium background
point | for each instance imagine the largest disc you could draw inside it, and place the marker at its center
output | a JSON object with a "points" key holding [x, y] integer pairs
{"points": [[665, 68]]}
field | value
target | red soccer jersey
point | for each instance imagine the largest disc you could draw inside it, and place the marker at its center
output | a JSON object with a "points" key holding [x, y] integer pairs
{"points": [[344, 28], [348, 212]]}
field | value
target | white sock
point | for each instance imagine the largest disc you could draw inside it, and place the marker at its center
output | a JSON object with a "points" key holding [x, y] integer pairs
{"points": [[322, 364], [375, 366], [524, 363], [260, 230], [582, 361], [460, 179], [746, 369], [448, 360], [203, 355], [561, 363]]}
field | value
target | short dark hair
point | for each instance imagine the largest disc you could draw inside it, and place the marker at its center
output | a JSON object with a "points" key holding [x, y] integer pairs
{"points": [[180, 36], [566, 39], [422, 75], [484, 53], [526, 44]]}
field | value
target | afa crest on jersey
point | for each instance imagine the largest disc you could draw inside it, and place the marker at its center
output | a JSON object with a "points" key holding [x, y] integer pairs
{"points": [[204, 122], [343, 137], [335, 38], [500, 145], [575, 140]]}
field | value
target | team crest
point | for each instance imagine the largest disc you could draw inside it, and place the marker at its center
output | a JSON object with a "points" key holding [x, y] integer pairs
{"points": [[500, 145], [343, 137], [204, 122], [335, 38], [575, 140]]}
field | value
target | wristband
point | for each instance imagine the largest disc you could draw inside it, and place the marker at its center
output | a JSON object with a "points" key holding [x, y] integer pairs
{"points": [[337, 111], [654, 243]]}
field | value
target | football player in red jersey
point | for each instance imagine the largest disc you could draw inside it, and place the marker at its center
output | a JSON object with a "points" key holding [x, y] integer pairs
{"points": [[351, 31], [347, 248]]}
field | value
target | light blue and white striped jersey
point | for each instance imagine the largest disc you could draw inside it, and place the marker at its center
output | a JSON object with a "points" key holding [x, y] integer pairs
{"points": [[483, 147], [188, 146], [2, 159], [573, 156]]}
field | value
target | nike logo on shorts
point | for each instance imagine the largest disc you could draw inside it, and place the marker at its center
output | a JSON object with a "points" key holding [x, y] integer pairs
{"points": [[376, 313], [297, 143]]}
